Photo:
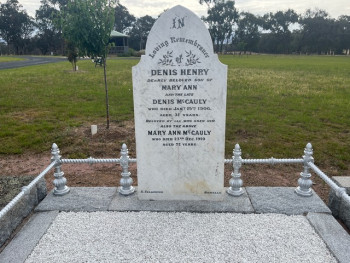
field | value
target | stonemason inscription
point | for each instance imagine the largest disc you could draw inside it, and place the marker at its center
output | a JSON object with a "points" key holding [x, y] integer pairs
{"points": [[180, 107]]}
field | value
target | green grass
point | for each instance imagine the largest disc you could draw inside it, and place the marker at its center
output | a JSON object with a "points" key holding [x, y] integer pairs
{"points": [[275, 105], [41, 103], [9, 59]]}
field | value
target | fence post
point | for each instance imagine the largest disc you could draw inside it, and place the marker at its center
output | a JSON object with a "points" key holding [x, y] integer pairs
{"points": [[60, 181], [236, 182], [304, 188], [126, 187]]}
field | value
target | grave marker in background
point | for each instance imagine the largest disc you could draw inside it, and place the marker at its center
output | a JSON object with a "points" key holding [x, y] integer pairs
{"points": [[180, 109]]}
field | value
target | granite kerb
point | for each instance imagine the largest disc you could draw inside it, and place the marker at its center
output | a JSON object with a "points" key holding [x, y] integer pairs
{"points": [[14, 217], [254, 200], [283, 200], [340, 208], [90, 199], [334, 236], [23, 243]]}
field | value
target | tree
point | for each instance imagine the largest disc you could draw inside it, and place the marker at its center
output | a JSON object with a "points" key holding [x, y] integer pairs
{"points": [[278, 25], [72, 54], [16, 25], [248, 31], [123, 19], [49, 36], [343, 23], [88, 24], [280, 21], [222, 16], [140, 31], [317, 31]]}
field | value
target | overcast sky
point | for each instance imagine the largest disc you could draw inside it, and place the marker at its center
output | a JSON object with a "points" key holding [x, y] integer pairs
{"points": [[258, 7]]}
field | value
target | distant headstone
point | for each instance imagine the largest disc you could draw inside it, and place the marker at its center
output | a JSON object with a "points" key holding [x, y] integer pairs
{"points": [[93, 129], [180, 107]]}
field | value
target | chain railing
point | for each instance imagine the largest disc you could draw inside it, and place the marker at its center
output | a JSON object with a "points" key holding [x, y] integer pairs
{"points": [[126, 181], [339, 191], [236, 183], [304, 182], [60, 182]]}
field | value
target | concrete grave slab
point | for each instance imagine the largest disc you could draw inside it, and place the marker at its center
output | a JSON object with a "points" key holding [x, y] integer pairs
{"points": [[283, 200], [229, 204], [79, 199]]}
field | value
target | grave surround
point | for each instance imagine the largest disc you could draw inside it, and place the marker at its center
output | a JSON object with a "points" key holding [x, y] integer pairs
{"points": [[180, 109]]}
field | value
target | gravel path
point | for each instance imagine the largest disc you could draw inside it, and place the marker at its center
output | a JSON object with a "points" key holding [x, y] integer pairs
{"points": [[179, 237]]}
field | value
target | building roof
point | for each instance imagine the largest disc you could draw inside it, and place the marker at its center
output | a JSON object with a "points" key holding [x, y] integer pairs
{"points": [[117, 34]]}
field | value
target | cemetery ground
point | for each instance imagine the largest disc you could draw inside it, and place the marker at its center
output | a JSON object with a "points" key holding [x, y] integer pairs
{"points": [[275, 105]]}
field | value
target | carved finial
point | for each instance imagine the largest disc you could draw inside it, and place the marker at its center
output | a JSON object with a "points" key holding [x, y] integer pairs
{"points": [[309, 146], [124, 151], [308, 151], [55, 152], [237, 151]]}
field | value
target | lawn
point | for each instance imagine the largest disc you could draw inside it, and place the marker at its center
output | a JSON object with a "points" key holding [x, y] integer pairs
{"points": [[275, 105], [9, 59]]}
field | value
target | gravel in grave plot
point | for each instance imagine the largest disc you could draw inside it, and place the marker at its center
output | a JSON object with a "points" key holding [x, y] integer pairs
{"points": [[179, 237]]}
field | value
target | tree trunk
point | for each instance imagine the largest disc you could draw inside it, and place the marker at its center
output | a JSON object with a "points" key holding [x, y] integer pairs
{"points": [[106, 89]]}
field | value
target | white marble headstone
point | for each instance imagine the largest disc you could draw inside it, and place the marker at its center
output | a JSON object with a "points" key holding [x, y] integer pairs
{"points": [[180, 109]]}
